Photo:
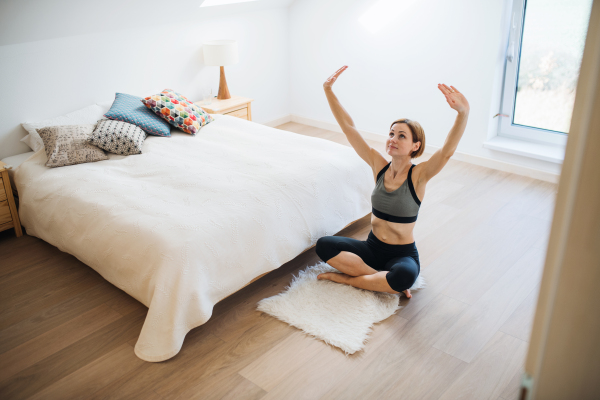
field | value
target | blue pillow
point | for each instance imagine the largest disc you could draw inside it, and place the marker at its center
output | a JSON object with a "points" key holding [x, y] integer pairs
{"points": [[130, 109]]}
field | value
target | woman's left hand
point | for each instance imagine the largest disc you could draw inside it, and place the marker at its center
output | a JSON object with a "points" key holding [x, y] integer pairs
{"points": [[455, 99]]}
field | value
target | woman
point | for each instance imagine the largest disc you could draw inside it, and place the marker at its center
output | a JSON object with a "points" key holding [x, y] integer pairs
{"points": [[388, 261]]}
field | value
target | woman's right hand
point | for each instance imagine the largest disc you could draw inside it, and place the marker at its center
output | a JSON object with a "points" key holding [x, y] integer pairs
{"points": [[331, 80]]}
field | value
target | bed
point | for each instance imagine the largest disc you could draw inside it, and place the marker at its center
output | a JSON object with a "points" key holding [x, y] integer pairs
{"points": [[194, 218]]}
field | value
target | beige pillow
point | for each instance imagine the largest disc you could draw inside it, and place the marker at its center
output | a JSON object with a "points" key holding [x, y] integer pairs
{"points": [[68, 145]]}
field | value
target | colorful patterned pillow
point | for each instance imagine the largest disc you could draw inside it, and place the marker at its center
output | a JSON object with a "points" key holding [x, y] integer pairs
{"points": [[118, 137], [127, 108], [177, 110]]}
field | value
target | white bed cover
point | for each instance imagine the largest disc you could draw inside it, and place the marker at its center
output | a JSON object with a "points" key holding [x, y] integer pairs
{"points": [[195, 218]]}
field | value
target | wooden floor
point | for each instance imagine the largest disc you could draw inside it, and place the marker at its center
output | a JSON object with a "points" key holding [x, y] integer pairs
{"points": [[66, 333]]}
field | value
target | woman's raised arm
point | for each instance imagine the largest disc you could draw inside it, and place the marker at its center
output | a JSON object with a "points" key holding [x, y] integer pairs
{"points": [[439, 159], [359, 144]]}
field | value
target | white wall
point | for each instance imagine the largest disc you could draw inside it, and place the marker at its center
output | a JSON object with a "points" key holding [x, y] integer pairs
{"points": [[394, 73], [52, 63], [59, 58]]}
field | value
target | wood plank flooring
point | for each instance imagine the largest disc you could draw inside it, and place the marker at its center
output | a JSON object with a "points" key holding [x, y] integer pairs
{"points": [[66, 333]]}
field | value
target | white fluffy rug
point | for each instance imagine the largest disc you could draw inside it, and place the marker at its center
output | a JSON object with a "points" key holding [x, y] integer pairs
{"points": [[339, 314]]}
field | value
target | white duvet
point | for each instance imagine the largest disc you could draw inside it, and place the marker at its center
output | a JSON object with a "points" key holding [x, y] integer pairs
{"points": [[195, 218]]}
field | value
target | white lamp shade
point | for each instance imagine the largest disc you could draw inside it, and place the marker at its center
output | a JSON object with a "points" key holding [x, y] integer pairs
{"points": [[220, 52]]}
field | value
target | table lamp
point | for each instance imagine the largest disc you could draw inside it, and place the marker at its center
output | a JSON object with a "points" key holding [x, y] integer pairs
{"points": [[221, 53]]}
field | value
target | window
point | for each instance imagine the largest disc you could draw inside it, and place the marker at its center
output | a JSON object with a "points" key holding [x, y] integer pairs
{"points": [[543, 58]]}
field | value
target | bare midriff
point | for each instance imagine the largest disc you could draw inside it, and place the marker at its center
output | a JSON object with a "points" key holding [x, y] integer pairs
{"points": [[392, 232]]}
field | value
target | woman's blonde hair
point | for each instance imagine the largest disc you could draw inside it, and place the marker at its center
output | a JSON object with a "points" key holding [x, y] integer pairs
{"points": [[418, 134]]}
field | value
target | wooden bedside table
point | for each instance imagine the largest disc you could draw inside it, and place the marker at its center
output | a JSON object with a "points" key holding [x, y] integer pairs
{"points": [[9, 218], [236, 106]]}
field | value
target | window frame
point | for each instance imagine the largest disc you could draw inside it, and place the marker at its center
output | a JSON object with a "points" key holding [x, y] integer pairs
{"points": [[506, 128]]}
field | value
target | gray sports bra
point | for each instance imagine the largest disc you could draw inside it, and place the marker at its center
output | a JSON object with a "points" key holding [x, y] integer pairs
{"points": [[401, 205]]}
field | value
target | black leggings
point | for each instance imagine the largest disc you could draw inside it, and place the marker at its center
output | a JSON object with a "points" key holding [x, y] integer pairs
{"points": [[402, 260]]}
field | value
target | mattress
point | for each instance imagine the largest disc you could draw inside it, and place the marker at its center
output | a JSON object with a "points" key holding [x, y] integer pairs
{"points": [[193, 219]]}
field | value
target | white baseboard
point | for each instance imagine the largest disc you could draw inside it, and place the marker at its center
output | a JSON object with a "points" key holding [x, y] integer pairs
{"points": [[472, 159], [278, 121]]}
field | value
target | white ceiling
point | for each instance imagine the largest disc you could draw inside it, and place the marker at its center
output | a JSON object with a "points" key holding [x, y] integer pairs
{"points": [[32, 20]]}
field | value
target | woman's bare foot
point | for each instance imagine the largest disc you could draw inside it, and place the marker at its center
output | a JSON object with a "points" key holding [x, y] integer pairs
{"points": [[407, 293], [332, 276]]}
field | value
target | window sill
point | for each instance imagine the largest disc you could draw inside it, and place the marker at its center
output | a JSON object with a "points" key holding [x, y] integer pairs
{"points": [[547, 152]]}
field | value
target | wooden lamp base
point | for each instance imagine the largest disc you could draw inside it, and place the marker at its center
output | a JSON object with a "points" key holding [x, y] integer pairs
{"points": [[223, 89]]}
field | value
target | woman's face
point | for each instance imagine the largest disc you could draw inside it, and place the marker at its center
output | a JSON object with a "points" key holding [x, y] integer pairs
{"points": [[399, 141]]}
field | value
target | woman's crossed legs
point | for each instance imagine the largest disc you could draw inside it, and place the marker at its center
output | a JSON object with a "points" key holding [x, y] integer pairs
{"points": [[354, 259]]}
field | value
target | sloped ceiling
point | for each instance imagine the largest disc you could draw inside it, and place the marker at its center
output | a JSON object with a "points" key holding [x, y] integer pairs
{"points": [[32, 20]]}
